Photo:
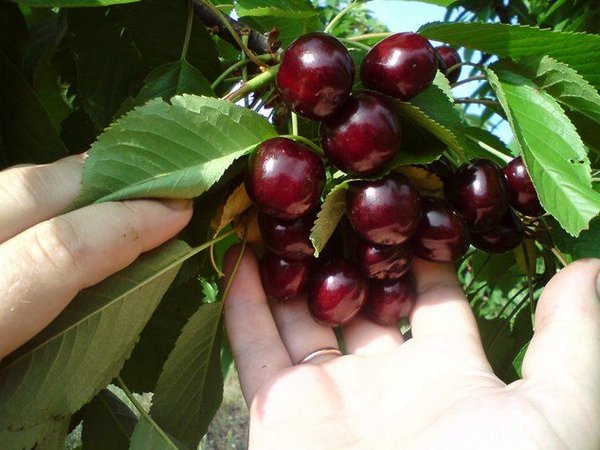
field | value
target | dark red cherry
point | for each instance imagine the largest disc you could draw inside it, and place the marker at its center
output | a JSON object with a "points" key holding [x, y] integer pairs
{"points": [[285, 179], [390, 300], [315, 75], [385, 211], [288, 238], [281, 278], [383, 261], [400, 66], [442, 235], [506, 235], [477, 191], [521, 193], [336, 292], [363, 136], [449, 57]]}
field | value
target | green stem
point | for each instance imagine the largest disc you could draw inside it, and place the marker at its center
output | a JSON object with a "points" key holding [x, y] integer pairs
{"points": [[556, 252], [236, 266], [478, 101], [253, 85], [146, 416], [469, 80], [356, 44], [364, 37], [470, 64], [490, 149], [294, 124], [339, 16], [237, 65], [530, 275], [476, 274], [318, 150], [188, 31]]}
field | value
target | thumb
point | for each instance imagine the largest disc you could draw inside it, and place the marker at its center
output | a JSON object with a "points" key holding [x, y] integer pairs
{"points": [[566, 343]]}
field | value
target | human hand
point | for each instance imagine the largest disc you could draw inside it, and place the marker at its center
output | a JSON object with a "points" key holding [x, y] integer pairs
{"points": [[434, 391], [47, 258]]}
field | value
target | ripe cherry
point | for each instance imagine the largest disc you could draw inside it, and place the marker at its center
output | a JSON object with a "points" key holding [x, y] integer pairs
{"points": [[383, 261], [281, 278], [449, 57], [506, 235], [363, 136], [442, 235], [521, 193], [477, 191], [400, 66], [390, 300], [336, 292], [315, 75], [385, 211], [288, 238], [285, 179]]}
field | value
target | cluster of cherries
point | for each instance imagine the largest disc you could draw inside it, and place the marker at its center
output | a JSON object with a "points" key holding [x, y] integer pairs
{"points": [[389, 219]]}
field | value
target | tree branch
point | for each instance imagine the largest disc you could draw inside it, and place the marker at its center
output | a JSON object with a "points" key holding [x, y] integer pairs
{"points": [[257, 42]]}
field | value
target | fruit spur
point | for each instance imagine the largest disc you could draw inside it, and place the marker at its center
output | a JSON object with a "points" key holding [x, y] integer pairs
{"points": [[365, 268]]}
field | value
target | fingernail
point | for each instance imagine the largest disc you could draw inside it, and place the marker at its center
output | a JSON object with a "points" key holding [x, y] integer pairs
{"points": [[178, 205]]}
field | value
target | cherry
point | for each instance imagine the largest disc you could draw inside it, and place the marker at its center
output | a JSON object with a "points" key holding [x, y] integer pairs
{"points": [[315, 75], [449, 57], [288, 238], [521, 193], [383, 261], [400, 66], [363, 136], [442, 235], [477, 191], [506, 235], [281, 278], [385, 211], [336, 292], [285, 179], [390, 300]]}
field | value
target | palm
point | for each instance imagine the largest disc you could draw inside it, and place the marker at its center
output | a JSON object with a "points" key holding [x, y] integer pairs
{"points": [[434, 391]]}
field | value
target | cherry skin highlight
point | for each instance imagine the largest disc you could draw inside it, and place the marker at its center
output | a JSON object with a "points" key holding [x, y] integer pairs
{"points": [[336, 293], [281, 278], [441, 235], [521, 193], [385, 211], [363, 136], [506, 235], [315, 75], [478, 192], [288, 238], [383, 261], [390, 300], [401, 66], [449, 57], [285, 179]]}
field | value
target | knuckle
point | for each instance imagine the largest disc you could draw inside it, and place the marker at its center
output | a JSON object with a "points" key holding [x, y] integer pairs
{"points": [[57, 242]]}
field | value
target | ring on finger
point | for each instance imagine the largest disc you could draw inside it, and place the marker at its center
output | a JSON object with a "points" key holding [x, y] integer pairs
{"points": [[325, 351]]}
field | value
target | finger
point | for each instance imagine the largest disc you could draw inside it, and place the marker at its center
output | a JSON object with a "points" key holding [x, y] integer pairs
{"points": [[257, 348], [567, 321], [300, 333], [31, 194], [441, 305], [364, 337], [44, 267]]}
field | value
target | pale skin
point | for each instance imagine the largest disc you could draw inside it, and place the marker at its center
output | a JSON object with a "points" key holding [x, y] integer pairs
{"points": [[434, 391]]}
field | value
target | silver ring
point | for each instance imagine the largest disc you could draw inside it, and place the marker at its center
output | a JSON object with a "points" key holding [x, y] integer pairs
{"points": [[321, 352]]}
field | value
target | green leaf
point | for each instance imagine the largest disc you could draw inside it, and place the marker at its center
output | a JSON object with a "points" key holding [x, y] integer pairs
{"points": [[72, 3], [108, 63], [289, 28], [27, 132], [176, 150], [491, 145], [190, 388], [581, 51], [147, 437], [518, 361], [276, 8], [108, 423], [332, 211], [82, 349], [552, 150], [444, 3], [169, 80], [562, 82]]}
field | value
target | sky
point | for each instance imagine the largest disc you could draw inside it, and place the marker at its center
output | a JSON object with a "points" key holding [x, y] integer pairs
{"points": [[409, 16]]}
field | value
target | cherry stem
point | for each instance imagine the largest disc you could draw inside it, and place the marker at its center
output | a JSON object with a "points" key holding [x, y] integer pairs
{"points": [[339, 16], [253, 85], [561, 258], [318, 150], [356, 44], [479, 101], [234, 35], [368, 36], [294, 117], [188, 31], [491, 150], [469, 80], [237, 264], [237, 65], [479, 272], [530, 274], [465, 63]]}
